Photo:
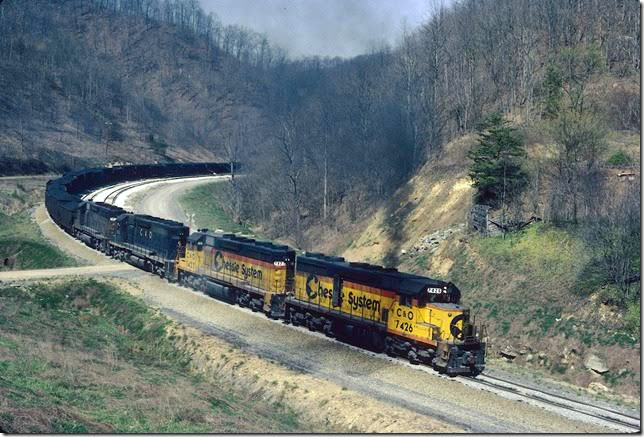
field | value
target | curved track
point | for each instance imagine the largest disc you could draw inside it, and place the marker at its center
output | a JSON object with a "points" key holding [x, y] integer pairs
{"points": [[565, 406], [414, 397], [597, 414]]}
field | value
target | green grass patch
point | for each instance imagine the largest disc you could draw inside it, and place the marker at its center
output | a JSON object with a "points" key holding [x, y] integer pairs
{"points": [[83, 357], [205, 202], [421, 262], [22, 242], [543, 251], [619, 159], [633, 317]]}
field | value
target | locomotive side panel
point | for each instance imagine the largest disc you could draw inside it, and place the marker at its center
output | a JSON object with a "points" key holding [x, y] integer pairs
{"points": [[242, 271], [258, 272], [353, 300]]}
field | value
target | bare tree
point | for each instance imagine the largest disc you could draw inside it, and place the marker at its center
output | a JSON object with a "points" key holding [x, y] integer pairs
{"points": [[613, 229], [578, 143]]}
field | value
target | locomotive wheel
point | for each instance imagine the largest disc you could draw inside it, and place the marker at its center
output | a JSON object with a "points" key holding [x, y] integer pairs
{"points": [[377, 341], [240, 300], [389, 347], [287, 316], [309, 322], [328, 329], [412, 357]]}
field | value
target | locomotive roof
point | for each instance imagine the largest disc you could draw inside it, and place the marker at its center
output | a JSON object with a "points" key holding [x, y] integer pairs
{"points": [[156, 220], [368, 274], [262, 250], [260, 245]]}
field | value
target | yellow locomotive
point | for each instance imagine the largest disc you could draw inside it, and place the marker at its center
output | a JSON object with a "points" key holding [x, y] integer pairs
{"points": [[250, 273], [379, 308]]}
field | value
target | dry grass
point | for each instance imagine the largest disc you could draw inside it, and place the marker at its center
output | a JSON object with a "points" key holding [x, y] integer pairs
{"points": [[439, 196], [109, 367]]}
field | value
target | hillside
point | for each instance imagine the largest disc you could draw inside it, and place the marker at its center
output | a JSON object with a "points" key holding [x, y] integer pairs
{"points": [[369, 157], [531, 289], [93, 86], [85, 357]]}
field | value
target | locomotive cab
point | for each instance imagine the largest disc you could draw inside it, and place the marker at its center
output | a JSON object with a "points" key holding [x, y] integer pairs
{"points": [[441, 329], [459, 348]]}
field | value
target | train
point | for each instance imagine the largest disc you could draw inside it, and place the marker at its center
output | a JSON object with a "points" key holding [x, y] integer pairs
{"points": [[382, 309]]}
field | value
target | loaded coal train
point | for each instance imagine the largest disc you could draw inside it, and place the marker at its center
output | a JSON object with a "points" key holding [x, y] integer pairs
{"points": [[385, 310]]}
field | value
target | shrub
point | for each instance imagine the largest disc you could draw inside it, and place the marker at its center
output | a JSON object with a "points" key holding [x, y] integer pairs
{"points": [[632, 318], [619, 158]]}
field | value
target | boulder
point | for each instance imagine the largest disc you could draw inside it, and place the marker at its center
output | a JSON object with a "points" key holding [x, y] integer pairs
{"points": [[529, 358], [508, 353], [598, 388], [594, 363]]}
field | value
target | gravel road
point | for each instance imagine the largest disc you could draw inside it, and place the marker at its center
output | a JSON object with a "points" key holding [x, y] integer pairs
{"points": [[105, 269], [394, 382]]}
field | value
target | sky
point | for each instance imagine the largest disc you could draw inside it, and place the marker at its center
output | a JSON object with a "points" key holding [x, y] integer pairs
{"points": [[343, 28]]}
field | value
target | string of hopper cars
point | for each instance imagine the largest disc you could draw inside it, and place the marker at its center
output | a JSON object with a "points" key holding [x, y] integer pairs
{"points": [[385, 310]]}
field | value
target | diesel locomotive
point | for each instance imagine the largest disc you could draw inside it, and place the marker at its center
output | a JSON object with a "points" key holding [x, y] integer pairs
{"points": [[400, 314]]}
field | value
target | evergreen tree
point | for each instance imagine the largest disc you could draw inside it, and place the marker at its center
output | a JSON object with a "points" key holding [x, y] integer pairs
{"points": [[496, 167], [553, 90]]}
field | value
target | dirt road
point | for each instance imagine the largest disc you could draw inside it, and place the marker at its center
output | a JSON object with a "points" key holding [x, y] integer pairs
{"points": [[105, 269]]}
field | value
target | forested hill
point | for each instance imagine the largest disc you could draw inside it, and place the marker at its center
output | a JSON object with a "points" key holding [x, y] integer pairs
{"points": [[95, 81], [91, 82]]}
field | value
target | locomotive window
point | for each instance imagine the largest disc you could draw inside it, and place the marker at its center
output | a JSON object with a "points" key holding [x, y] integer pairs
{"points": [[210, 241], [405, 300]]}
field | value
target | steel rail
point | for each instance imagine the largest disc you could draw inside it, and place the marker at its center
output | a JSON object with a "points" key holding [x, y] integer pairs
{"points": [[622, 422]]}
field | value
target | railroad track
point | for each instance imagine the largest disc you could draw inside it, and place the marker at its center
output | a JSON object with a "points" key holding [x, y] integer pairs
{"points": [[568, 407], [119, 189], [562, 405], [116, 193]]}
